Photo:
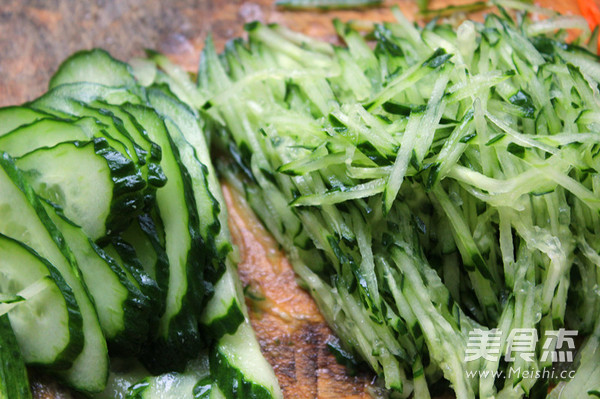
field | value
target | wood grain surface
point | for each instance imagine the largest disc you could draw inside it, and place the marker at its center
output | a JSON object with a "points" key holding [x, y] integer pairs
{"points": [[35, 36]]}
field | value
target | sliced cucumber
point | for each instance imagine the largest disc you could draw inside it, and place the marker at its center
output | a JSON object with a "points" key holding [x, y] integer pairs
{"points": [[224, 312], [14, 117], [239, 368], [144, 70], [118, 125], [96, 186], [143, 236], [189, 138], [42, 133], [49, 306], [141, 247], [137, 275], [122, 309], [176, 78], [96, 129], [154, 174], [177, 338], [125, 255], [14, 383], [96, 66], [172, 385], [113, 127], [130, 380], [215, 393], [59, 100], [49, 132], [25, 219]]}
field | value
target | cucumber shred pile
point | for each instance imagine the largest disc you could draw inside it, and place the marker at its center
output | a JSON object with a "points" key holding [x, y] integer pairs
{"points": [[114, 246], [434, 188]]}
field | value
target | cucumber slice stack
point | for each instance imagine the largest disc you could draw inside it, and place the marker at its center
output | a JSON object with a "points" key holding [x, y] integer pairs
{"points": [[113, 237]]}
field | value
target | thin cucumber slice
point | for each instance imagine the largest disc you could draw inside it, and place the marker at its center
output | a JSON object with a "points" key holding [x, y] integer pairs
{"points": [[143, 236], [47, 323], [225, 311], [127, 257], [144, 70], [124, 373], [117, 123], [177, 338], [122, 309], [42, 133], [26, 220], [49, 132], [14, 383], [93, 127], [191, 142], [59, 100], [114, 127], [129, 380], [140, 247], [96, 186], [155, 176], [176, 78], [239, 368], [13, 117], [96, 66]]}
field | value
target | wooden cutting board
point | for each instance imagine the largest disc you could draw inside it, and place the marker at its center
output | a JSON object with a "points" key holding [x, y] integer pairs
{"points": [[36, 36]]}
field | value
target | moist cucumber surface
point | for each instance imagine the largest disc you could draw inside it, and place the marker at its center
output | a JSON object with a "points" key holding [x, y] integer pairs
{"points": [[175, 205], [45, 300], [94, 66], [95, 185], [16, 116], [41, 133], [28, 222], [123, 310]]}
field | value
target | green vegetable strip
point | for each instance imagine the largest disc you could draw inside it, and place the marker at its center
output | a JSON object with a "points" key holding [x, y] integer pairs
{"points": [[367, 264], [401, 165], [479, 272], [337, 196]]}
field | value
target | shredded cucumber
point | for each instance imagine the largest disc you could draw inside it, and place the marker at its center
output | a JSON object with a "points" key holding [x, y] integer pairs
{"points": [[429, 183]]}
